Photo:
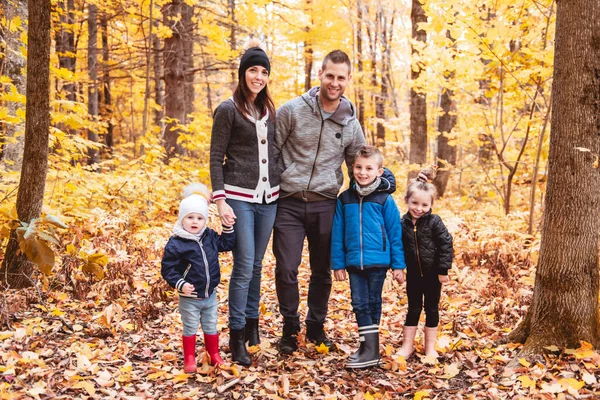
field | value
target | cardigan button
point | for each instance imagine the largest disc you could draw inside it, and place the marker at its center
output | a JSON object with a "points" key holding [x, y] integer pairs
{"points": [[263, 141], [268, 196], [264, 179], [264, 161]]}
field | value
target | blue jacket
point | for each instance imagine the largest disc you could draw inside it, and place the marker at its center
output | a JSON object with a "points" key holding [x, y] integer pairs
{"points": [[367, 232], [196, 262]]}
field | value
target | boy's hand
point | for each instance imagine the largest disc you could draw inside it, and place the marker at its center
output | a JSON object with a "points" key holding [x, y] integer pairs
{"points": [[188, 289], [339, 274], [398, 275], [443, 278]]}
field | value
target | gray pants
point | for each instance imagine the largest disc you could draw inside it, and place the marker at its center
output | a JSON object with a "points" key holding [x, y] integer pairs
{"points": [[296, 220]]}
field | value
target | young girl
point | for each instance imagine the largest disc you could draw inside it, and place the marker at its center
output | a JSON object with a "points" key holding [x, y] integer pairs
{"points": [[428, 254], [245, 183], [367, 241], [190, 264]]}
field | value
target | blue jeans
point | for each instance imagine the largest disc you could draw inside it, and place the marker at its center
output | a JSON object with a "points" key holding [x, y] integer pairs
{"points": [[253, 227], [366, 287], [195, 311]]}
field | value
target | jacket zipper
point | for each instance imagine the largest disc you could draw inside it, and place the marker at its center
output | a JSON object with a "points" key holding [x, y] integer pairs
{"points": [[360, 226], [318, 146], [417, 249], [206, 269]]}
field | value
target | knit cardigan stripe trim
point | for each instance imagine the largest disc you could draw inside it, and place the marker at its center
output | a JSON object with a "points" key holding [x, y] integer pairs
{"points": [[248, 195]]}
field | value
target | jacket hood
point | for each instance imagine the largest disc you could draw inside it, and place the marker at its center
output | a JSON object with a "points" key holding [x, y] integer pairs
{"points": [[344, 113], [387, 182]]}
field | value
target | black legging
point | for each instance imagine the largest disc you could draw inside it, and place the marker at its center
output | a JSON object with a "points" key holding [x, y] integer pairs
{"points": [[417, 288]]}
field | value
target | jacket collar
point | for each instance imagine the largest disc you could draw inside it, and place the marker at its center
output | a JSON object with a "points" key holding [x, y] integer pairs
{"points": [[407, 217], [344, 113]]}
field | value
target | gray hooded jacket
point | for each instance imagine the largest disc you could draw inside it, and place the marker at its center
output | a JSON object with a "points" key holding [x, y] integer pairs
{"points": [[310, 150]]}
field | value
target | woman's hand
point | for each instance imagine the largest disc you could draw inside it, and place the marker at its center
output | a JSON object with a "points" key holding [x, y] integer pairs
{"points": [[339, 274], [226, 213]]}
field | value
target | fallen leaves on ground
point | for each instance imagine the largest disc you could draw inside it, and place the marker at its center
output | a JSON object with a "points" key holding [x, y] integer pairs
{"points": [[121, 337]]}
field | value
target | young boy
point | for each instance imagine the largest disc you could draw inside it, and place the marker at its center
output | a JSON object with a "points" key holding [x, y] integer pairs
{"points": [[190, 264], [367, 241]]}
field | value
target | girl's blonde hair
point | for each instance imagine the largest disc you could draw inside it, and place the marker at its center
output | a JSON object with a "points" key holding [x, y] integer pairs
{"points": [[420, 183]]}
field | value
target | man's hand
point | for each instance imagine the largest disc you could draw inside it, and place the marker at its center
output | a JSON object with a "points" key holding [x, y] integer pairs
{"points": [[443, 279], [398, 275]]}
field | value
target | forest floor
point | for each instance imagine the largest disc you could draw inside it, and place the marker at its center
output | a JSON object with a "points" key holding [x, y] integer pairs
{"points": [[72, 337]]}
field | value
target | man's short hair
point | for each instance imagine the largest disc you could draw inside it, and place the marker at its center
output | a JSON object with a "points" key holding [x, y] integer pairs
{"points": [[337, 57]]}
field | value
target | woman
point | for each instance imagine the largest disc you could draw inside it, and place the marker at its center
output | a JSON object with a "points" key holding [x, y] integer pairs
{"points": [[245, 189]]}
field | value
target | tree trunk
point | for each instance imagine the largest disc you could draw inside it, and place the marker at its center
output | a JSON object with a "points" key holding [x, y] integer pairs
{"points": [[208, 88], [359, 65], [564, 308], [106, 110], [159, 89], [93, 77], [65, 46], [11, 152], [308, 48], [148, 63], [16, 269], [308, 65], [386, 42], [446, 153], [232, 41], [486, 149], [174, 78], [418, 101], [188, 60]]}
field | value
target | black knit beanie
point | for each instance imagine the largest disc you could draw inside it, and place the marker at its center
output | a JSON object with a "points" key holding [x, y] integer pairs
{"points": [[254, 56]]}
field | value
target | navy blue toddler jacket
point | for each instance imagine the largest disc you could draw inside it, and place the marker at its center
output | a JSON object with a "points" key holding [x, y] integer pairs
{"points": [[196, 261]]}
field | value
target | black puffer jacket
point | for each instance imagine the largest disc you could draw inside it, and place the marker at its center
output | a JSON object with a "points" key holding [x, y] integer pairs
{"points": [[433, 255]]}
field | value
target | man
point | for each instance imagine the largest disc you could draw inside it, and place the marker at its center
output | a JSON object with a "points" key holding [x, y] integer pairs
{"points": [[316, 132]]}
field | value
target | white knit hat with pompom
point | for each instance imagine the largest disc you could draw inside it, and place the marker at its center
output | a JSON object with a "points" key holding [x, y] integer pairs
{"points": [[195, 200]]}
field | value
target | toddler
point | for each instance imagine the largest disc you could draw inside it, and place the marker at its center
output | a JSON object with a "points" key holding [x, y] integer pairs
{"points": [[190, 264]]}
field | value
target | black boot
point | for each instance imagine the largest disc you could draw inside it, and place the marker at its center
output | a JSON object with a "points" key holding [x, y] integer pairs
{"points": [[239, 353], [361, 330], [316, 334], [252, 331], [368, 353], [289, 340]]}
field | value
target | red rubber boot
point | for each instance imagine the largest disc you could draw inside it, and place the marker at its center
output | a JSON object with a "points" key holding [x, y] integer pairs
{"points": [[189, 354], [212, 348]]}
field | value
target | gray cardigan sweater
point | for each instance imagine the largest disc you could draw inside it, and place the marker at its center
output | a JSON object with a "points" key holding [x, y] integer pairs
{"points": [[242, 164], [311, 150]]}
